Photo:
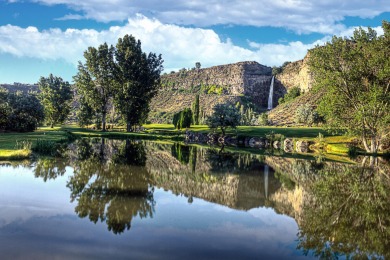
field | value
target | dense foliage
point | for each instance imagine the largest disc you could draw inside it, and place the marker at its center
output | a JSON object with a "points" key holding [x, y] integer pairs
{"points": [[121, 76], [356, 74], [290, 95], [182, 119], [224, 116], [307, 115], [20, 112], [137, 79], [95, 79], [55, 96]]}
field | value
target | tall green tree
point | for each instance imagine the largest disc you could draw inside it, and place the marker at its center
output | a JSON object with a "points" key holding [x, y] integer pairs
{"points": [[138, 78], [55, 96], [224, 116], [356, 74], [26, 112], [4, 108], [95, 79], [195, 110]]}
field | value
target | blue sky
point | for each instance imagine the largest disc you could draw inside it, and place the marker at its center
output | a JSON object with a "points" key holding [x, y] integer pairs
{"points": [[39, 37]]}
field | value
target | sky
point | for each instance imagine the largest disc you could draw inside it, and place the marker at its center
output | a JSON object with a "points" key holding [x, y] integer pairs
{"points": [[39, 37]]}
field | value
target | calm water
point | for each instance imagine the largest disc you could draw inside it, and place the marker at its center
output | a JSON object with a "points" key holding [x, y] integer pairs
{"points": [[143, 200]]}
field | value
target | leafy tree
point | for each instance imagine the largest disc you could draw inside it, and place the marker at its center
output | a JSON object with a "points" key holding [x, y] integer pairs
{"points": [[85, 112], [223, 117], [138, 78], [55, 96], [356, 74], [197, 65], [26, 112], [263, 119], [183, 119], [195, 109], [95, 79], [290, 95], [4, 108], [305, 114]]}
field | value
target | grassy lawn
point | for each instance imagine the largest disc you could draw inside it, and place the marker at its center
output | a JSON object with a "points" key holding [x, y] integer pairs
{"points": [[16, 141], [15, 145]]}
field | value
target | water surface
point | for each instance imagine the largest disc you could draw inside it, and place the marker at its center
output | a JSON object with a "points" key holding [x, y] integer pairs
{"points": [[136, 200]]}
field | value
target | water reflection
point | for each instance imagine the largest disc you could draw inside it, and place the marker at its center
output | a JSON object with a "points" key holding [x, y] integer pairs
{"points": [[342, 210], [115, 191], [347, 212]]}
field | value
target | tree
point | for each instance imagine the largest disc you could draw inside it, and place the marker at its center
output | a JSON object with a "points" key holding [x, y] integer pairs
{"points": [[138, 78], [195, 109], [55, 96], [356, 74], [223, 117], [197, 65], [182, 119], [26, 112], [305, 114], [290, 95], [95, 79], [4, 108]]}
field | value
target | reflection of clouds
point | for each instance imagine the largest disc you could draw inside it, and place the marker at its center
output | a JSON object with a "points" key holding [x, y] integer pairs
{"points": [[22, 196]]}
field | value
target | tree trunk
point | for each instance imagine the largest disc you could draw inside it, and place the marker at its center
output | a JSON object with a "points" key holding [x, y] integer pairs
{"points": [[365, 144], [51, 125], [104, 115], [374, 146], [128, 127]]}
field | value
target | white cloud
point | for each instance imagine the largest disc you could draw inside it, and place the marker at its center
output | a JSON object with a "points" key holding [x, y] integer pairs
{"points": [[180, 46], [301, 16]]}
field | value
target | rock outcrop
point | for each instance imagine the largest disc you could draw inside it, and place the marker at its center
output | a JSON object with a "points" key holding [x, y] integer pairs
{"points": [[239, 82], [296, 74]]}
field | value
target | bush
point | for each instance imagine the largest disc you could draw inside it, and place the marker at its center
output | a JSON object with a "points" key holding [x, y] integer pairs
{"points": [[307, 115], [263, 119], [290, 95], [182, 119]]}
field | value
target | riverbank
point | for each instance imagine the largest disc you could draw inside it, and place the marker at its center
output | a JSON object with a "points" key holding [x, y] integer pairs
{"points": [[20, 145]]}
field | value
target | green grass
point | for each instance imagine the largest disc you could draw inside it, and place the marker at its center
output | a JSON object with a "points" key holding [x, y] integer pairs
{"points": [[8, 141], [11, 141], [15, 154]]}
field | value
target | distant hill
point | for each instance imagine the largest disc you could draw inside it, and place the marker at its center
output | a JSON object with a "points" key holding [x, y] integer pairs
{"points": [[245, 82], [20, 87]]}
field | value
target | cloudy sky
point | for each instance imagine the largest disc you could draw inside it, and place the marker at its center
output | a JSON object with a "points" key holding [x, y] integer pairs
{"points": [[39, 37]]}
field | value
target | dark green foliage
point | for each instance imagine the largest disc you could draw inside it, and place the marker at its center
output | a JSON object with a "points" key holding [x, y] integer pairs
{"points": [[195, 109], [95, 79], [355, 74], [55, 96], [85, 113], [224, 116], [291, 94], [181, 153], [182, 119], [137, 77], [24, 112]]}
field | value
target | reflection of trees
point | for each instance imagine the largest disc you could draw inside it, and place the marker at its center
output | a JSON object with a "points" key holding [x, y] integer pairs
{"points": [[348, 214], [50, 168], [114, 192], [221, 161]]}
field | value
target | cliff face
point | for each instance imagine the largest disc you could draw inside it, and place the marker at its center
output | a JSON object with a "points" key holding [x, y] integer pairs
{"points": [[240, 82], [296, 74]]}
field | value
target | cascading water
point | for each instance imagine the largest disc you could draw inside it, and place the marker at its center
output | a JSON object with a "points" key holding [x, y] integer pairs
{"points": [[271, 93]]}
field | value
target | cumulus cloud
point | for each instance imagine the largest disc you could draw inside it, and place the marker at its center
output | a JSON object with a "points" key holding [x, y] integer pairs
{"points": [[180, 46], [301, 16]]}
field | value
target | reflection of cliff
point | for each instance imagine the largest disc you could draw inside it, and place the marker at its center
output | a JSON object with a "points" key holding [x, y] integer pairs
{"points": [[242, 186]]}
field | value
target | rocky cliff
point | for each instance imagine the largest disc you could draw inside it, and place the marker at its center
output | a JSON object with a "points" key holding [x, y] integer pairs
{"points": [[296, 74], [244, 82]]}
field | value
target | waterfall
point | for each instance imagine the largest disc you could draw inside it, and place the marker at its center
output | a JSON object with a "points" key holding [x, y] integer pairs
{"points": [[271, 93], [266, 171]]}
